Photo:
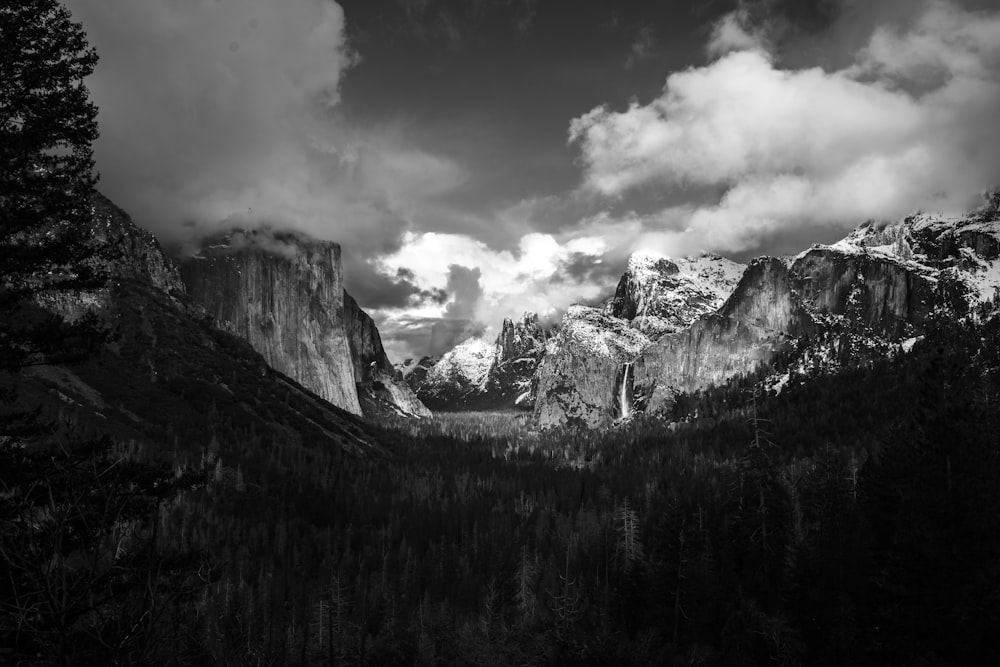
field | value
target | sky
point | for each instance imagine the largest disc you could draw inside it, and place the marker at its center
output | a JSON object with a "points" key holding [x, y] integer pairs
{"points": [[477, 159]]}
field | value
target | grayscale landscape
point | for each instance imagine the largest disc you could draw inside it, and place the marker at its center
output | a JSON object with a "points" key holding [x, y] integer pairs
{"points": [[499, 332]]}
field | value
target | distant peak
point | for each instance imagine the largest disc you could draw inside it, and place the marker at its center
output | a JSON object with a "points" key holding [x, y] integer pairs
{"points": [[644, 262]]}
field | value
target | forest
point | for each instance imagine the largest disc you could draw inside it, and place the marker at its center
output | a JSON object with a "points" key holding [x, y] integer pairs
{"points": [[849, 519]]}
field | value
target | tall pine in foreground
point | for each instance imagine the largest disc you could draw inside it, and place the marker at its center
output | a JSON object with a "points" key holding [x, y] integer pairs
{"points": [[47, 126]]}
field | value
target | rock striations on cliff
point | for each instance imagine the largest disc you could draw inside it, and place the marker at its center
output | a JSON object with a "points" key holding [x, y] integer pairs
{"points": [[866, 296], [153, 371], [580, 378], [284, 294], [380, 388]]}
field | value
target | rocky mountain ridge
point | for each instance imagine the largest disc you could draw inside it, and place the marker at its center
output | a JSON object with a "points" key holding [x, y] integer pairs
{"points": [[579, 379], [868, 295], [479, 375], [659, 295]]}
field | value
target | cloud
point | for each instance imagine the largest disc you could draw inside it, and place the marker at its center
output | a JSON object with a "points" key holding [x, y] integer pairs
{"points": [[219, 114], [733, 33], [486, 284], [910, 124], [458, 322], [463, 283]]}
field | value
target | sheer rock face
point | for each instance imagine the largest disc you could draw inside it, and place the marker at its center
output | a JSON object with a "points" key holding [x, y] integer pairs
{"points": [[823, 295], [832, 305], [381, 390], [579, 379], [367, 353], [828, 306], [284, 296], [167, 377]]}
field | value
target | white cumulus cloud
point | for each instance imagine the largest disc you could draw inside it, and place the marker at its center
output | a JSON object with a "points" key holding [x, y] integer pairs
{"points": [[910, 124]]}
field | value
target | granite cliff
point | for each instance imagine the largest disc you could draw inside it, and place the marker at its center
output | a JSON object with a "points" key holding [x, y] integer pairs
{"points": [[149, 369], [868, 295], [381, 390], [284, 295], [579, 381], [864, 296]]}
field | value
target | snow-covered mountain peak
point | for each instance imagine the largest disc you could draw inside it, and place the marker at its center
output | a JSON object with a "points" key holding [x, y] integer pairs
{"points": [[594, 332], [711, 272], [467, 364], [644, 266], [660, 295], [967, 247]]}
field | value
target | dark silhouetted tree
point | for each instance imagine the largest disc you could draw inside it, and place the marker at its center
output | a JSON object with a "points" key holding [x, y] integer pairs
{"points": [[47, 126]]}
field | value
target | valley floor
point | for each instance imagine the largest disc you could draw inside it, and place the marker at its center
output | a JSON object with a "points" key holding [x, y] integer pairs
{"points": [[850, 519]]}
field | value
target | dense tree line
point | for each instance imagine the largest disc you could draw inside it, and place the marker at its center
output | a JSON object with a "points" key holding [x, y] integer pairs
{"points": [[850, 518]]}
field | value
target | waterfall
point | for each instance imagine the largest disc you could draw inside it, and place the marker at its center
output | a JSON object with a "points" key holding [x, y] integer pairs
{"points": [[625, 397]]}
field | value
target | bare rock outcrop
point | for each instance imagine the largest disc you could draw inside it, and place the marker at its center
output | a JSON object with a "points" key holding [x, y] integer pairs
{"points": [[578, 375], [285, 296], [832, 305], [381, 389], [584, 380]]}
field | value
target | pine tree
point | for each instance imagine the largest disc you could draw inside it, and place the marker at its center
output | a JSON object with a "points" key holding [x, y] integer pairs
{"points": [[524, 582], [47, 126], [629, 547]]}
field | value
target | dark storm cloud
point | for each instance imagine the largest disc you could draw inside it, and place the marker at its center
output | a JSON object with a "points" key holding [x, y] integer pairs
{"points": [[446, 334], [406, 337], [585, 268], [463, 284], [411, 337], [217, 115], [376, 290], [456, 325]]}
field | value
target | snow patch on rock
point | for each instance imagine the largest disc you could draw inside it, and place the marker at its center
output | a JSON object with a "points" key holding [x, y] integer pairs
{"points": [[467, 364]]}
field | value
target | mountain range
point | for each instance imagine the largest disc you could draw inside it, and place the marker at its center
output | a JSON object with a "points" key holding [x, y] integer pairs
{"points": [[272, 510], [679, 326], [672, 326]]}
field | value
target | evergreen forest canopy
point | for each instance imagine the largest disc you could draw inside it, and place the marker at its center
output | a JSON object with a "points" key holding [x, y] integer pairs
{"points": [[849, 519]]}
